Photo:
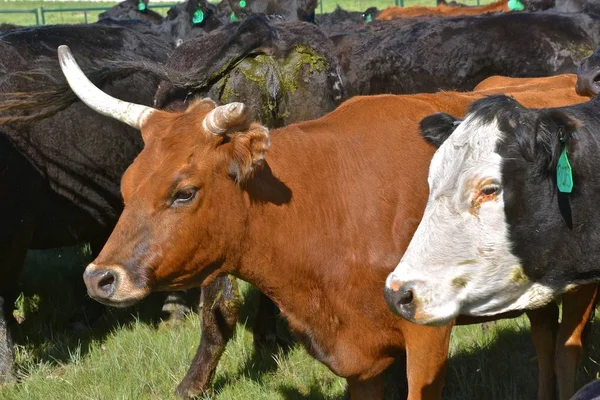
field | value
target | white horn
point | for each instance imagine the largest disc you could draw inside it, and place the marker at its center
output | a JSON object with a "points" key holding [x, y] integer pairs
{"points": [[132, 114], [222, 118]]}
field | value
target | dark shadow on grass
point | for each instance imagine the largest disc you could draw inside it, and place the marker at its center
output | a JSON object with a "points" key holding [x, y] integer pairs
{"points": [[313, 393], [507, 367]]}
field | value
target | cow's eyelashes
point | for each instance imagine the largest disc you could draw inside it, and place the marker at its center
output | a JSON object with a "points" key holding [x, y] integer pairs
{"points": [[185, 195], [490, 190]]}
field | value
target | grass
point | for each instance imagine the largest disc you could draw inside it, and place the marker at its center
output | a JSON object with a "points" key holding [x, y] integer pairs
{"points": [[129, 355], [74, 17]]}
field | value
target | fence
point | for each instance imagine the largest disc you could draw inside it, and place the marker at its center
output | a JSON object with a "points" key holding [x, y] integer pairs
{"points": [[33, 11], [40, 13]]}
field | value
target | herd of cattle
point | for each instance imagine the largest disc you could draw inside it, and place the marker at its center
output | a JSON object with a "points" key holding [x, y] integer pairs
{"points": [[224, 140]]}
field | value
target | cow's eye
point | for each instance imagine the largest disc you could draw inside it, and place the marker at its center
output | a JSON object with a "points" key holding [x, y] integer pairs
{"points": [[185, 195], [490, 190]]}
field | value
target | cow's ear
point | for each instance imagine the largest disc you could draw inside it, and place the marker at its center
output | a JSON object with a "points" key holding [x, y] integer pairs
{"points": [[437, 127], [247, 151], [192, 6], [554, 130]]}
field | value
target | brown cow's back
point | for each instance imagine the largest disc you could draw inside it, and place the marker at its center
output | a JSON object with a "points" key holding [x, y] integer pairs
{"points": [[442, 10]]}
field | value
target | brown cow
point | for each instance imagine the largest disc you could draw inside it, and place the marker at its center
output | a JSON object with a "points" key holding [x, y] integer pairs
{"points": [[442, 10], [315, 215]]}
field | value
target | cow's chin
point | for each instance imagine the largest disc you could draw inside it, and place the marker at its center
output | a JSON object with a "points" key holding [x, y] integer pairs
{"points": [[123, 299], [436, 315]]}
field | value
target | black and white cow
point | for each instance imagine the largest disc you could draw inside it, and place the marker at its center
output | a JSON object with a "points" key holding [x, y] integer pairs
{"points": [[498, 234]]}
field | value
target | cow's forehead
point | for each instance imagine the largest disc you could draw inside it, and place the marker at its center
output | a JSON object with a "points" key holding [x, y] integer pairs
{"points": [[469, 151]]}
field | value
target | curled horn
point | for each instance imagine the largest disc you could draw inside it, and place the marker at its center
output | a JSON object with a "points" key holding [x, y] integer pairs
{"points": [[132, 114], [223, 118]]}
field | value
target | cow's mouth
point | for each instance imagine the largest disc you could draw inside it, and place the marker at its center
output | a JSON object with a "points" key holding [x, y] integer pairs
{"points": [[113, 286]]}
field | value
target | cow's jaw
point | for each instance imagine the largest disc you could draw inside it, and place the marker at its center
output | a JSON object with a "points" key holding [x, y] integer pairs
{"points": [[460, 260]]}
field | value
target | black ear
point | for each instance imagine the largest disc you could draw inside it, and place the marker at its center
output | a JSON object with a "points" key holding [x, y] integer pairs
{"points": [[192, 6], [554, 129], [437, 127]]}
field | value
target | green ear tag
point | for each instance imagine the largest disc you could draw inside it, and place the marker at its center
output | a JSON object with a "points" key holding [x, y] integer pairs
{"points": [[233, 18], [242, 3], [564, 173], [142, 6], [515, 5], [369, 18], [198, 16]]}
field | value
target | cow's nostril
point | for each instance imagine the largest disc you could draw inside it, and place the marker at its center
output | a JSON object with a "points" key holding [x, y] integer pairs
{"points": [[106, 283], [405, 297]]}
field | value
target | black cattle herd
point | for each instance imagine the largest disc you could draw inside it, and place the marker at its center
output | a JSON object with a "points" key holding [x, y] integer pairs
{"points": [[61, 163]]}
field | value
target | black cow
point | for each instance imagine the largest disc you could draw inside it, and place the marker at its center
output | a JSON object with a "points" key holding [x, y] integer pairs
{"points": [[8, 27], [183, 21], [588, 75], [457, 53], [510, 221], [292, 77], [59, 184], [132, 9], [289, 10], [340, 20]]}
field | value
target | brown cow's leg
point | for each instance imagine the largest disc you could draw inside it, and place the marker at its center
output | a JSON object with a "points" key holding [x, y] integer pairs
{"points": [[577, 307], [220, 303], [426, 360], [370, 389], [544, 327]]}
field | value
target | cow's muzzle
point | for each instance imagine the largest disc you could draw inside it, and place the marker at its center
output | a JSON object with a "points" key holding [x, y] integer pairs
{"points": [[588, 81], [112, 285], [400, 297]]}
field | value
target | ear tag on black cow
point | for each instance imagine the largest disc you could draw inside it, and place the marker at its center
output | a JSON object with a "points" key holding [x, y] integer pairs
{"points": [[242, 3], [233, 18], [515, 5], [198, 16], [369, 18], [564, 172], [142, 6]]}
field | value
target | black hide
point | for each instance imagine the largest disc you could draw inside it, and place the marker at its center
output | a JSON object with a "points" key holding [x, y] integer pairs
{"points": [[427, 55], [550, 251], [255, 62]]}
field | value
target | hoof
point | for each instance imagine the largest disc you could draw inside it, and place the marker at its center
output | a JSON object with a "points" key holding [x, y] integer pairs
{"points": [[186, 391]]}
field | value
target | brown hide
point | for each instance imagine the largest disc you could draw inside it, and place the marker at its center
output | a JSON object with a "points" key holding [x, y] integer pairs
{"points": [[442, 10], [316, 221]]}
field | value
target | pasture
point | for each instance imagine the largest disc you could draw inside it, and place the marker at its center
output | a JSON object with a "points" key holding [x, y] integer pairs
{"points": [[130, 355], [78, 17]]}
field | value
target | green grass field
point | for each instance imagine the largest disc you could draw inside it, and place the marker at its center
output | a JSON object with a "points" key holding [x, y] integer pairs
{"points": [[129, 355], [92, 16]]}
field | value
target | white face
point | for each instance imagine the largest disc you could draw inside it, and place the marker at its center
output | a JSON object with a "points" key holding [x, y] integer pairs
{"points": [[459, 260]]}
